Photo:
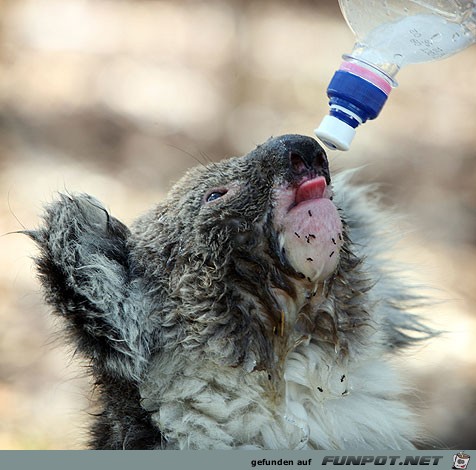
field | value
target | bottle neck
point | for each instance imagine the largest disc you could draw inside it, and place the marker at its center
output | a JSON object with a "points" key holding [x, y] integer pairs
{"points": [[375, 74], [357, 92]]}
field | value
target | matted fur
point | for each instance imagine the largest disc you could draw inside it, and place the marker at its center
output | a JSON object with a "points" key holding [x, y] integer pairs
{"points": [[201, 335]]}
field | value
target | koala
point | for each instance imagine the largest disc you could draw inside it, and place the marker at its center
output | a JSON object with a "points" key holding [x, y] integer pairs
{"points": [[253, 308]]}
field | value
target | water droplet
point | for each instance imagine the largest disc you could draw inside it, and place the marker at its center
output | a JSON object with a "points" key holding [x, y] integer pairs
{"points": [[398, 59]]}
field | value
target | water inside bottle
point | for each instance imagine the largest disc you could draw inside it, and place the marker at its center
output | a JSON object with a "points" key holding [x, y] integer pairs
{"points": [[412, 39]]}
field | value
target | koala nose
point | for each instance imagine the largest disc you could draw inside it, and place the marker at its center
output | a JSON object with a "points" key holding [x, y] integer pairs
{"points": [[305, 156]]}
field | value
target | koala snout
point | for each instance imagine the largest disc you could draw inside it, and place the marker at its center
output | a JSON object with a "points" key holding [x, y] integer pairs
{"points": [[305, 158]]}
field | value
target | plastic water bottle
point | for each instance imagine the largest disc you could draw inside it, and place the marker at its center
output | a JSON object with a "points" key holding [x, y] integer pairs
{"points": [[389, 35]]}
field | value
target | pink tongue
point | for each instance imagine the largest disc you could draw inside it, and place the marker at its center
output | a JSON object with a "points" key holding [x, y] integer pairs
{"points": [[311, 189]]}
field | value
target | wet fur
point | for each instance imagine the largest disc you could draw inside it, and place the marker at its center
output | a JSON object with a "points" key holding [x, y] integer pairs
{"points": [[181, 318]]}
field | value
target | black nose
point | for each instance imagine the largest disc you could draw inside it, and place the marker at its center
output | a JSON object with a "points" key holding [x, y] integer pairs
{"points": [[305, 157]]}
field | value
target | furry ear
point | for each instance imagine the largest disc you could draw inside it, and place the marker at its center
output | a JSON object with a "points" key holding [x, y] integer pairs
{"points": [[85, 269]]}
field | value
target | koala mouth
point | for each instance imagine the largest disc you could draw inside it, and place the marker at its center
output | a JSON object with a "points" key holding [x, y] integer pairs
{"points": [[311, 189], [309, 228]]}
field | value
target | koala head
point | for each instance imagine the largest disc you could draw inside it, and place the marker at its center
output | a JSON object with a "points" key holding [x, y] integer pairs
{"points": [[245, 237]]}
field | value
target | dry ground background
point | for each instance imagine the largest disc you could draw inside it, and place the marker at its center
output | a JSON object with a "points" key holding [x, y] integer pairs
{"points": [[116, 98]]}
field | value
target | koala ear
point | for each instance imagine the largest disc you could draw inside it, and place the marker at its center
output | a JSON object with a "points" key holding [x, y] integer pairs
{"points": [[85, 269]]}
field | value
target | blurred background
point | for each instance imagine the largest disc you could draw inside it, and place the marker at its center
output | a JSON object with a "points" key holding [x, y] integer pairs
{"points": [[119, 98]]}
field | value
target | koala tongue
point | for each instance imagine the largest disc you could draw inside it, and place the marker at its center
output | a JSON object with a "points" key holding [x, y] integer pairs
{"points": [[311, 189], [311, 231]]}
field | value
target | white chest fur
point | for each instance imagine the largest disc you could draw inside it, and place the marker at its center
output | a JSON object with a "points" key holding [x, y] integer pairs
{"points": [[324, 406], [341, 407]]}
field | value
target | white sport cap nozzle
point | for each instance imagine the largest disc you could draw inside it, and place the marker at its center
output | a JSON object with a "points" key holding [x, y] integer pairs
{"points": [[334, 133]]}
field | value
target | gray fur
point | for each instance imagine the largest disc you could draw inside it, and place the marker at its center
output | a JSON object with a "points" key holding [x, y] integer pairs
{"points": [[202, 335]]}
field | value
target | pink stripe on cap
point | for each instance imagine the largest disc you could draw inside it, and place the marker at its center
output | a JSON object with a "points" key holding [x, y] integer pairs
{"points": [[368, 75]]}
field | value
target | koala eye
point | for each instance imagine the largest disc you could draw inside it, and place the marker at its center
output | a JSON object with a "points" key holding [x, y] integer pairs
{"points": [[215, 194]]}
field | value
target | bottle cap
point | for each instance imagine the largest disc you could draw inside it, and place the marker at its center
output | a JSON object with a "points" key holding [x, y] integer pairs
{"points": [[356, 94], [334, 133]]}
